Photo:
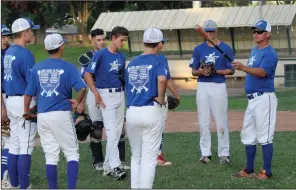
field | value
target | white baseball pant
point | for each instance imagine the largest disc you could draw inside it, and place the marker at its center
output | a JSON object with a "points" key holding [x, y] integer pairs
{"points": [[212, 97], [164, 113], [94, 112], [22, 134], [260, 120], [5, 140], [144, 127], [57, 132], [113, 118]]}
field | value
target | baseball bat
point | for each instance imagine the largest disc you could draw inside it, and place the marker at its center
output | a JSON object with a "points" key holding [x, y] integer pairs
{"points": [[201, 31]]}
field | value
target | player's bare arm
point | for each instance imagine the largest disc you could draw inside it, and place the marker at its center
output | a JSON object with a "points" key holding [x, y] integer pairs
{"points": [[173, 89], [77, 101], [90, 82], [225, 72], [201, 72], [162, 82], [81, 107], [27, 102], [3, 109], [257, 72]]}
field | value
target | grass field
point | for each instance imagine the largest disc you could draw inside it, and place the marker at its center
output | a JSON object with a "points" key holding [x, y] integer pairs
{"points": [[183, 150]]}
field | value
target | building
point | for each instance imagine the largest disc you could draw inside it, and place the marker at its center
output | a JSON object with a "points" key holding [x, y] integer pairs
{"points": [[234, 27]]}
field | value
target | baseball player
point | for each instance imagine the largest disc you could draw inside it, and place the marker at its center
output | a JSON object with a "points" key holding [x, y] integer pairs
{"points": [[18, 61], [51, 81], [107, 65], [260, 116], [170, 85], [99, 42], [145, 90], [211, 94], [5, 33]]}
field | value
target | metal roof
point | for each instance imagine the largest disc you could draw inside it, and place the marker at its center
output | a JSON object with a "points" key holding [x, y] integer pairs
{"points": [[246, 16]]}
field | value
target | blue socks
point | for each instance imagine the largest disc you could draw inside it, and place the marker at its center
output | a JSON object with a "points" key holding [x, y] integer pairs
{"points": [[4, 162], [267, 157], [24, 166], [12, 169], [51, 174], [250, 153], [72, 174]]}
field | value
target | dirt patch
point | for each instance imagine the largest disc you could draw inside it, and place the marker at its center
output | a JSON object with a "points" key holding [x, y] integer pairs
{"points": [[187, 122]]}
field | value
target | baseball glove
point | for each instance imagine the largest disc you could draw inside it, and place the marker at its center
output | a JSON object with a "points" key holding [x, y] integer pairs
{"points": [[5, 128], [85, 58], [173, 102], [31, 115], [209, 65]]}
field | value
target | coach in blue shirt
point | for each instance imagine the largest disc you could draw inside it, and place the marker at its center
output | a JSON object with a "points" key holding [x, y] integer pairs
{"points": [[260, 116]]}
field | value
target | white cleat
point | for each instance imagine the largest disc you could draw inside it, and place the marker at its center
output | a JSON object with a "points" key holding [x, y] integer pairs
{"points": [[124, 166]]}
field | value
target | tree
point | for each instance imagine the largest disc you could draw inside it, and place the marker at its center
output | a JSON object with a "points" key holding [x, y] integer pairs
{"points": [[80, 11], [285, 2]]}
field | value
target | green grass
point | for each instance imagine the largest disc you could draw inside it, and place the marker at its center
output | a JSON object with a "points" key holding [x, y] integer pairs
{"points": [[286, 102], [287, 98], [183, 150]]}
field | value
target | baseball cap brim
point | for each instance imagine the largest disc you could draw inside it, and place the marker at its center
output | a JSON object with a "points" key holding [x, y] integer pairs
{"points": [[165, 40], [6, 34], [35, 27], [210, 29]]}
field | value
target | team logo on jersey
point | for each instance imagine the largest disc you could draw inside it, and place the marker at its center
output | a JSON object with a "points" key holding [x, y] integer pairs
{"points": [[139, 77], [8, 59], [114, 65], [251, 61], [49, 81], [211, 58], [93, 66]]}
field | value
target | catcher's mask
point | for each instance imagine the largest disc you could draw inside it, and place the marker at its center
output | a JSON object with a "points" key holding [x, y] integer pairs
{"points": [[82, 125]]}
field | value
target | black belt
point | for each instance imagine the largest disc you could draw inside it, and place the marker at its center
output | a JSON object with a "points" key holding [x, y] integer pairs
{"points": [[120, 89], [252, 96], [14, 95]]}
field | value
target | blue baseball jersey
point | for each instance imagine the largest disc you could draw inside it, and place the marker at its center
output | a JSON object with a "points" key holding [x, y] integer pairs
{"points": [[141, 79], [266, 59], [3, 51], [107, 68], [166, 66], [204, 52], [51, 81], [18, 61]]}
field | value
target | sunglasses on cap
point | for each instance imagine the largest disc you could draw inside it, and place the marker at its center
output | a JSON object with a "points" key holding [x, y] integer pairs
{"points": [[258, 31]]}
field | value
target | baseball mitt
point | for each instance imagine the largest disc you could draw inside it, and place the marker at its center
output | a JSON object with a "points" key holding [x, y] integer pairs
{"points": [[210, 66], [173, 102], [31, 115], [5, 128], [85, 58]]}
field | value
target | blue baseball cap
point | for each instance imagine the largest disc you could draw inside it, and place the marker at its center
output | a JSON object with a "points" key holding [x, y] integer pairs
{"points": [[262, 25], [22, 24], [210, 26], [4, 30]]}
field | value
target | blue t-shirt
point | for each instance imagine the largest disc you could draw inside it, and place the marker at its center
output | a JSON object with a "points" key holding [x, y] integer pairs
{"points": [[3, 51], [51, 81], [141, 79], [166, 66], [107, 68], [18, 61], [266, 59], [211, 55]]}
